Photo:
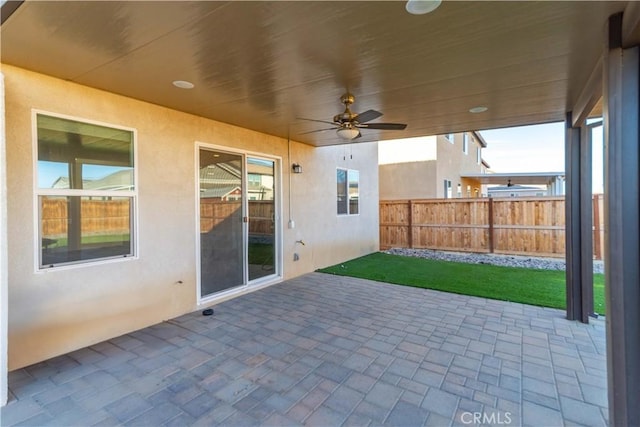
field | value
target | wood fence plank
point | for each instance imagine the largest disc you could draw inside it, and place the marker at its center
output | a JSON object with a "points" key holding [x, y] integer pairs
{"points": [[526, 226]]}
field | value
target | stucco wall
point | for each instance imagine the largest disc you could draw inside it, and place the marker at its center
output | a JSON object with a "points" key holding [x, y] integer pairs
{"points": [[452, 162], [4, 278], [413, 180], [57, 311], [416, 168]]}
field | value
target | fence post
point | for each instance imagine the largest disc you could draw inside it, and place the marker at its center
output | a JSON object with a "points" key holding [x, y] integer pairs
{"points": [[410, 218], [490, 225]]}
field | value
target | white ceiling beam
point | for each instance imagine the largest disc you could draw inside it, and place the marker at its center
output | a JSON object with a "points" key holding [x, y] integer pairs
{"points": [[589, 96]]}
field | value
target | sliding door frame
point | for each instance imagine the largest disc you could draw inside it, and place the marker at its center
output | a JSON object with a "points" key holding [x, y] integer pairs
{"points": [[247, 285]]}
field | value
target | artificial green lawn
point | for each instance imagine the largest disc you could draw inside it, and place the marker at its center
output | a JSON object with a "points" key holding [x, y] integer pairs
{"points": [[260, 254], [536, 287]]}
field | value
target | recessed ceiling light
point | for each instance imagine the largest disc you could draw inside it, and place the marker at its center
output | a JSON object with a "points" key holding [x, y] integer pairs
{"points": [[478, 109], [421, 7], [183, 84]]}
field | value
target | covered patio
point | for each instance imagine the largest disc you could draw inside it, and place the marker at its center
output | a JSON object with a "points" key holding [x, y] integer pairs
{"points": [[179, 83], [327, 350]]}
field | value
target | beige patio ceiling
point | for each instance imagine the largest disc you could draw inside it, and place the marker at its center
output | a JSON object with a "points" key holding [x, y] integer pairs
{"points": [[262, 65]]}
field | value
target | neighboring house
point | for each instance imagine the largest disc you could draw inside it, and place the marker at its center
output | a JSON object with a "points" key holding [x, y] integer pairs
{"points": [[120, 180], [516, 191], [431, 167], [521, 184], [223, 181], [485, 167]]}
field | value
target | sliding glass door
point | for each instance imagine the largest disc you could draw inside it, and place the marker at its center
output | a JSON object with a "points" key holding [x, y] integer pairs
{"points": [[261, 195], [221, 226], [237, 207]]}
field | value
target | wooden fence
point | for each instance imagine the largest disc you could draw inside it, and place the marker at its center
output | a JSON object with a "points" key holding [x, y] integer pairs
{"points": [[98, 216], [112, 216], [214, 211], [522, 226]]}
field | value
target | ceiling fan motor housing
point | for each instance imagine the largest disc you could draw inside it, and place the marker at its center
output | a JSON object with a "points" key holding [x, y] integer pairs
{"points": [[347, 116]]}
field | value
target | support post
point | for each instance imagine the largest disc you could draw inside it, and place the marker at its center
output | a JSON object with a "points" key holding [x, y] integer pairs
{"points": [[578, 216], [622, 218], [586, 224], [573, 220]]}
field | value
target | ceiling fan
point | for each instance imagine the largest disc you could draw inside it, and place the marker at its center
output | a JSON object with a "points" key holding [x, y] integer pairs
{"points": [[348, 124]]}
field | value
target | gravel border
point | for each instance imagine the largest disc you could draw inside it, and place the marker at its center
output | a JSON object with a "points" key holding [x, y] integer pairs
{"points": [[493, 259]]}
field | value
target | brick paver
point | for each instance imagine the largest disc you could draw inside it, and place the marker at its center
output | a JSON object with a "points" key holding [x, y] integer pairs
{"points": [[325, 350]]}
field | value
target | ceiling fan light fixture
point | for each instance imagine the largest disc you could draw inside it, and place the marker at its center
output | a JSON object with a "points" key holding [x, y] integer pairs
{"points": [[348, 133], [422, 7]]}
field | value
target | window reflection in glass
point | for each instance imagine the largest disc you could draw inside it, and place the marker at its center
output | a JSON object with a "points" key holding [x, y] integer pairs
{"points": [[104, 230], [342, 191], [85, 189], [76, 155], [354, 178]]}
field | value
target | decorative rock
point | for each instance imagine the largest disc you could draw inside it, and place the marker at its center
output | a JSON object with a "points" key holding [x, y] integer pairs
{"points": [[493, 259]]}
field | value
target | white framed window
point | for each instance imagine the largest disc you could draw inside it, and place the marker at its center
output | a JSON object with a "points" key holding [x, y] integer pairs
{"points": [[465, 143], [348, 194], [450, 137], [479, 155], [85, 191]]}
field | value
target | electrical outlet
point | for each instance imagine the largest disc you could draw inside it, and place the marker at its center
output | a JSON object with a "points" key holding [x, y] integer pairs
{"points": [[296, 257]]}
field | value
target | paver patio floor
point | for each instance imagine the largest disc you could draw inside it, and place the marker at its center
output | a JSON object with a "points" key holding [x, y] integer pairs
{"points": [[323, 350]]}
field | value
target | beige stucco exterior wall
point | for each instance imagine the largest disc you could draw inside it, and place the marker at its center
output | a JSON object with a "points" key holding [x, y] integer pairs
{"points": [[414, 180], [4, 277], [54, 312], [437, 159], [452, 162]]}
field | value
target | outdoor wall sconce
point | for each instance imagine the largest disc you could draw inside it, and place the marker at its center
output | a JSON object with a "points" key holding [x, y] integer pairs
{"points": [[296, 168]]}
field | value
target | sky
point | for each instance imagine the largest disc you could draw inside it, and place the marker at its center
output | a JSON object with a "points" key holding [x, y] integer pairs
{"points": [[49, 172], [537, 148]]}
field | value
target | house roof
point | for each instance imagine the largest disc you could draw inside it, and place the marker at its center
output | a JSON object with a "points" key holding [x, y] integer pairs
{"points": [[120, 180], [219, 191], [221, 174], [528, 178], [265, 65], [480, 139]]}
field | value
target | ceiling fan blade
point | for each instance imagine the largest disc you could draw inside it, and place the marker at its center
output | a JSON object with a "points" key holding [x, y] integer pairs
{"points": [[384, 126], [317, 130], [319, 121], [368, 116]]}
